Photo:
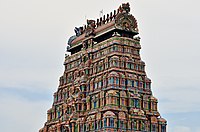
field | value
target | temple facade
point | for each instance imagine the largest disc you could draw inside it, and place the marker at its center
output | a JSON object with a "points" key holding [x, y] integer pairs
{"points": [[104, 87]]}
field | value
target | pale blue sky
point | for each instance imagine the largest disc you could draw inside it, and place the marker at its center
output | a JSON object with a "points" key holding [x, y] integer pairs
{"points": [[33, 36]]}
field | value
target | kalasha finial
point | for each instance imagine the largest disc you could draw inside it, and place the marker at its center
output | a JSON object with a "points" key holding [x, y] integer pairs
{"points": [[125, 7]]}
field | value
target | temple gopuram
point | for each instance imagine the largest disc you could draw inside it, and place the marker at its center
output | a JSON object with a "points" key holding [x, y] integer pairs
{"points": [[104, 87]]}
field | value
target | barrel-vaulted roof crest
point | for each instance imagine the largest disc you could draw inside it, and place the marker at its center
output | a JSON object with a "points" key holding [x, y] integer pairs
{"points": [[119, 19]]}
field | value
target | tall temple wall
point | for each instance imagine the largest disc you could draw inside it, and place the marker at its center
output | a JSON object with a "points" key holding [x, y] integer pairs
{"points": [[104, 86]]}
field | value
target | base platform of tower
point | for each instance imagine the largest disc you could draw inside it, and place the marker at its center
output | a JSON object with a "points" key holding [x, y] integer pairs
{"points": [[104, 87]]}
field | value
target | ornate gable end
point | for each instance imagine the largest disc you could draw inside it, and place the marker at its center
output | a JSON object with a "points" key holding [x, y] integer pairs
{"points": [[126, 21]]}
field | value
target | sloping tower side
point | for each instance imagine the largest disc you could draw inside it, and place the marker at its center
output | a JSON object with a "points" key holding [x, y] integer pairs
{"points": [[104, 86]]}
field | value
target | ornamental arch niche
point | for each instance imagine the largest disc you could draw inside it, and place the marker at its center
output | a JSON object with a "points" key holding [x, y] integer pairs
{"points": [[109, 119]]}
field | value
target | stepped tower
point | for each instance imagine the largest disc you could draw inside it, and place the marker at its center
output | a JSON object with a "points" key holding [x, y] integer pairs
{"points": [[104, 86]]}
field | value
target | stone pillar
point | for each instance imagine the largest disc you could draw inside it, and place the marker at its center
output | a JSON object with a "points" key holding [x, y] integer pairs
{"points": [[79, 127], [107, 121], [58, 128], [78, 106], [129, 124], [115, 123], [73, 128], [83, 107]]}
